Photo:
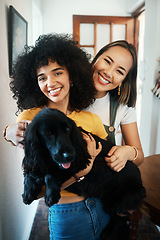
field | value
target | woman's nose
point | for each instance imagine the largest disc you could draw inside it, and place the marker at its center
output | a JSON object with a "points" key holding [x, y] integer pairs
{"points": [[109, 72], [50, 81]]}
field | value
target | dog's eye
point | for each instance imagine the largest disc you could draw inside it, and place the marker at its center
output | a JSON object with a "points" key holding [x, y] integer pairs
{"points": [[68, 129], [48, 133]]}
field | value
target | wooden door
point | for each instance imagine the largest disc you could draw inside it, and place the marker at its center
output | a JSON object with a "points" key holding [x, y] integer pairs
{"points": [[93, 32]]}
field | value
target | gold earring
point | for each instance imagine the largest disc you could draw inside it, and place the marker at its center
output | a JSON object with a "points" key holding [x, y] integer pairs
{"points": [[119, 90]]}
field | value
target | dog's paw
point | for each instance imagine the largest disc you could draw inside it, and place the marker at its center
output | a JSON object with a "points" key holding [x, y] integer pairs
{"points": [[28, 198], [51, 198]]}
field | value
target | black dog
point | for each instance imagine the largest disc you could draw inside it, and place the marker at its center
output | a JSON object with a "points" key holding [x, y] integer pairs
{"points": [[55, 150]]}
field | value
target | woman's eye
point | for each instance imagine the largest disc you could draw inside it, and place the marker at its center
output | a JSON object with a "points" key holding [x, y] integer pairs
{"points": [[41, 79], [120, 72], [107, 61], [58, 73]]}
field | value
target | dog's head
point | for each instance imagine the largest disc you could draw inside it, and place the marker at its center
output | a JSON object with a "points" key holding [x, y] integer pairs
{"points": [[52, 136]]}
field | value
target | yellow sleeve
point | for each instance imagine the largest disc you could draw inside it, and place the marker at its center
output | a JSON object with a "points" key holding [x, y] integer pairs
{"points": [[99, 130], [28, 114], [89, 122]]}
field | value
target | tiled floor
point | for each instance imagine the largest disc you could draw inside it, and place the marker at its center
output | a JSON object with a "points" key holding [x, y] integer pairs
{"points": [[40, 231]]}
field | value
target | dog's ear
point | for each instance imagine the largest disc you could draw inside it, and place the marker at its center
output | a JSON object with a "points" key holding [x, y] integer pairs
{"points": [[31, 148], [80, 145]]}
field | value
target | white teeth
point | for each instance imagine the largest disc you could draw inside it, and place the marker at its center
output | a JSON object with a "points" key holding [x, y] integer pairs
{"points": [[102, 79], [55, 90]]}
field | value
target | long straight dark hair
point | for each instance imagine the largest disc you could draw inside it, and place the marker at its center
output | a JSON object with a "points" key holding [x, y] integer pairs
{"points": [[128, 93]]}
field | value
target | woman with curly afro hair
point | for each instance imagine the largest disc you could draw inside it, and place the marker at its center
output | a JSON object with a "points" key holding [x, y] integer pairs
{"points": [[55, 73], [63, 50]]}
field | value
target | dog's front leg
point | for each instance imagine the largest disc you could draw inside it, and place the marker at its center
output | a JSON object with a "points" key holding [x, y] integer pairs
{"points": [[52, 190], [32, 187]]}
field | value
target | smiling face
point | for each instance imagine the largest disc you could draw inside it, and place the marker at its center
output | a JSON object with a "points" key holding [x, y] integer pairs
{"points": [[111, 68], [53, 81]]}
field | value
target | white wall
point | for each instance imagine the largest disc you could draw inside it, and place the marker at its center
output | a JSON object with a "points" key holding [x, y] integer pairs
{"points": [[37, 20], [57, 15], [150, 114], [15, 217]]}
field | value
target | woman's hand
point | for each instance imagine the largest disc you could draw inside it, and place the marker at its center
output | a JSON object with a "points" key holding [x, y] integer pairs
{"points": [[91, 145], [92, 150], [118, 156], [15, 132]]}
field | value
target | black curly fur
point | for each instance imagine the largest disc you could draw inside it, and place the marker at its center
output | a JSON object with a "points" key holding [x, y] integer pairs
{"points": [[53, 139]]}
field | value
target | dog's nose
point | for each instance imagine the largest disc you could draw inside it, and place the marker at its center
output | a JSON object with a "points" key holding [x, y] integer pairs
{"points": [[67, 155]]}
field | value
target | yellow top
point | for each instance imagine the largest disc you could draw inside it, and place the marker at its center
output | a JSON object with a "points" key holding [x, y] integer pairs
{"points": [[87, 120]]}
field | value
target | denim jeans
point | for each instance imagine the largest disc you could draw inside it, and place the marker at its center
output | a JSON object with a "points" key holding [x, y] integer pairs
{"points": [[82, 220]]}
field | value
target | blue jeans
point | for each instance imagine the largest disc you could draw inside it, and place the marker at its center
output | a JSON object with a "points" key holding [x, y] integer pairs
{"points": [[82, 220]]}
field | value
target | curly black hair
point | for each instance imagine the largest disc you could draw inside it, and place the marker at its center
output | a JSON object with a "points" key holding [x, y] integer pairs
{"points": [[64, 50]]}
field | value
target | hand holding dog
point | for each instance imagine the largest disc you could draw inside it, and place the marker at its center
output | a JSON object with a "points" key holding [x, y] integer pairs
{"points": [[92, 150], [118, 156]]}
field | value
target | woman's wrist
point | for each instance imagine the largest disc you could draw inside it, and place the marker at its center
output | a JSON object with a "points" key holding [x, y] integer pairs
{"points": [[87, 169], [135, 153], [78, 176], [68, 182]]}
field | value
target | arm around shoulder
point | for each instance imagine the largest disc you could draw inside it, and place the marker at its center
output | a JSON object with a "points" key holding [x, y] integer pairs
{"points": [[14, 133]]}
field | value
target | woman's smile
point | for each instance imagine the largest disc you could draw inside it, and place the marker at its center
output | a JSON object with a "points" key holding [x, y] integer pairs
{"points": [[55, 92], [103, 80]]}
